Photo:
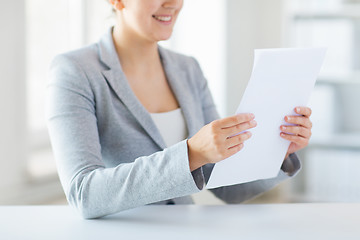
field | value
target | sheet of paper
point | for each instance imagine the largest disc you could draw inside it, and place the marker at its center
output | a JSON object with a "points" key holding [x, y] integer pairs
{"points": [[281, 80]]}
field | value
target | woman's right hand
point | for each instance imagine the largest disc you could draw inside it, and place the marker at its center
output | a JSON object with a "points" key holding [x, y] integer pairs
{"points": [[219, 139]]}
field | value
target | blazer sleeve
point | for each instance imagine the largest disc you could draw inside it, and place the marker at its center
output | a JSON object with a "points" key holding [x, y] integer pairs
{"points": [[90, 187], [241, 192]]}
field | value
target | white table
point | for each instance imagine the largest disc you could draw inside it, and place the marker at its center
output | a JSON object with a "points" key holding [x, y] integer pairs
{"points": [[263, 222]]}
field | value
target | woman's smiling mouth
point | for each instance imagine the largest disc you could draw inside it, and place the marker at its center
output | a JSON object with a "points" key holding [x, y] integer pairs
{"points": [[163, 18]]}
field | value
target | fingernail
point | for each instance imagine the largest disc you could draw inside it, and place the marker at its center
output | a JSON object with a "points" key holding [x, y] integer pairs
{"points": [[253, 122], [252, 115], [287, 118], [283, 128], [298, 110]]}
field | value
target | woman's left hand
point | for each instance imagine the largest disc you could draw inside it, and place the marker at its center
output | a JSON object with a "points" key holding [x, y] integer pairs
{"points": [[300, 133]]}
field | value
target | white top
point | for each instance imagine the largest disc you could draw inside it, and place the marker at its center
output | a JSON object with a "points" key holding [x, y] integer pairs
{"points": [[172, 126]]}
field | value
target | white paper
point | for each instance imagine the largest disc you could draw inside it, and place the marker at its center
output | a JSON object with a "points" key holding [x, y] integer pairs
{"points": [[281, 80]]}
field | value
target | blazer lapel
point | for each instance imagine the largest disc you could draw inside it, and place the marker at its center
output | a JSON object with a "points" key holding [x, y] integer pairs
{"points": [[177, 81], [117, 80], [179, 85]]}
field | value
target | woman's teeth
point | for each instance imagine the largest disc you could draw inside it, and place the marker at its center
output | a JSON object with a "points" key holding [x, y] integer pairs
{"points": [[163, 18]]}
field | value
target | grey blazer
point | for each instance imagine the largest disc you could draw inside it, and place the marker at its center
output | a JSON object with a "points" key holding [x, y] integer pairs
{"points": [[109, 153]]}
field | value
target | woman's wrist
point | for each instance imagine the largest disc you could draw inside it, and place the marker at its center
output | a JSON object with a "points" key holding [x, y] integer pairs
{"points": [[195, 161]]}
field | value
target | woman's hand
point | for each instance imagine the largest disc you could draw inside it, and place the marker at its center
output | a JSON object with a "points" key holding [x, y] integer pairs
{"points": [[219, 140], [300, 133]]}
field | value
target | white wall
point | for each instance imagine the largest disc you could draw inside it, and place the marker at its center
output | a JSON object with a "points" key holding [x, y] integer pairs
{"points": [[200, 32], [12, 93], [250, 24]]}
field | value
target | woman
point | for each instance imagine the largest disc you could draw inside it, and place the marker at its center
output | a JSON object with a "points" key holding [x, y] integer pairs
{"points": [[132, 123]]}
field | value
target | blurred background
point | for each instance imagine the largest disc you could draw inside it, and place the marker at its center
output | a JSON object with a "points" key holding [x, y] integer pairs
{"points": [[222, 35]]}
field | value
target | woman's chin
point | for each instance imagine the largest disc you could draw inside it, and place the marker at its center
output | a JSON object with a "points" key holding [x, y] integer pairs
{"points": [[164, 37]]}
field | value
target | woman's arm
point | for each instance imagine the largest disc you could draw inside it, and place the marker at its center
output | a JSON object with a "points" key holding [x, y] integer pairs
{"points": [[89, 186]]}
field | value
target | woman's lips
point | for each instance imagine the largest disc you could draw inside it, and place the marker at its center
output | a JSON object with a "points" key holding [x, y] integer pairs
{"points": [[163, 18]]}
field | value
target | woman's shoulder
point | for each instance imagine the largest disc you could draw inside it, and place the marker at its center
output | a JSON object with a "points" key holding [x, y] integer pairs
{"points": [[81, 57], [76, 69]]}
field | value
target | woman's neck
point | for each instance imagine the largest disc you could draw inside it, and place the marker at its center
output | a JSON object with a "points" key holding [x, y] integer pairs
{"points": [[134, 53]]}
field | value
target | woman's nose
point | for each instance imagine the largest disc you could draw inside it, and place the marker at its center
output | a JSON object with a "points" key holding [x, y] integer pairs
{"points": [[173, 4]]}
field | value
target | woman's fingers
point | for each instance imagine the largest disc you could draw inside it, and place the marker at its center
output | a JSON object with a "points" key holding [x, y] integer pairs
{"points": [[235, 149], [299, 140], [297, 130], [231, 131], [302, 120], [219, 140], [305, 111], [234, 120], [237, 140], [299, 120]]}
